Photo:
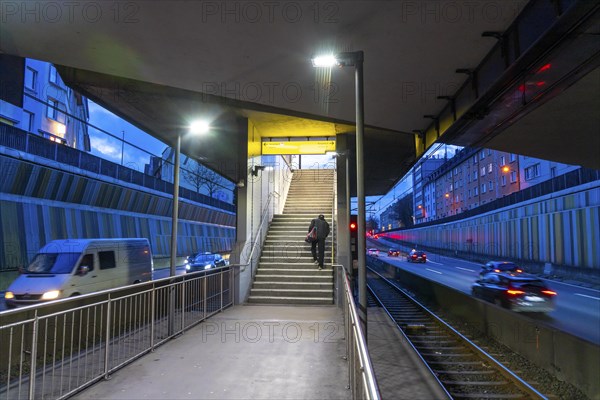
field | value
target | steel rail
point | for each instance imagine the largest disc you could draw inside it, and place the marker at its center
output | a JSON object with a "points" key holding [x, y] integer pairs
{"points": [[523, 386]]}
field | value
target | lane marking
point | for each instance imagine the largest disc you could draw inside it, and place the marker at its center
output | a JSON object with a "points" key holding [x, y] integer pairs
{"points": [[585, 295], [433, 262], [433, 270], [466, 269]]}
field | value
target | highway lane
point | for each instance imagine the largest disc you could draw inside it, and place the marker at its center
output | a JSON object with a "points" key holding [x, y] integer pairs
{"points": [[577, 307]]}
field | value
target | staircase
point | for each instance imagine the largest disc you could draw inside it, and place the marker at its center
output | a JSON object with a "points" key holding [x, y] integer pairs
{"points": [[286, 273]]}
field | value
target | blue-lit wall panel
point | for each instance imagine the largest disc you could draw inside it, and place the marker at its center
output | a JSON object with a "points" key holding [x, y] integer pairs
{"points": [[560, 229], [39, 204]]}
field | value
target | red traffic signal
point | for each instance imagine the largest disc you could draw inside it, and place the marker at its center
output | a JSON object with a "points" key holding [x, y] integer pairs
{"points": [[352, 226]]}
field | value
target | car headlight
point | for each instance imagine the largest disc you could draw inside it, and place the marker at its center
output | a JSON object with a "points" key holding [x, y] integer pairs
{"points": [[9, 295], [207, 266], [187, 267], [51, 295]]}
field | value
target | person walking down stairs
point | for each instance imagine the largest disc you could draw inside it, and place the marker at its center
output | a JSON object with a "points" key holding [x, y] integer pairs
{"points": [[322, 233]]}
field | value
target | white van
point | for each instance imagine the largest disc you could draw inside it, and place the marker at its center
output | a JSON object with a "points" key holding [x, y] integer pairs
{"points": [[65, 268]]}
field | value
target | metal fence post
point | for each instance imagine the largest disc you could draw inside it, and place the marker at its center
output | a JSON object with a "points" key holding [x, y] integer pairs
{"points": [[34, 335], [153, 316], [108, 325], [183, 305], [221, 290], [204, 295]]}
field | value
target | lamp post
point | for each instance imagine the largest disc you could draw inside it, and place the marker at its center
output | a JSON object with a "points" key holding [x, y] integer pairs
{"points": [[348, 59], [196, 128]]}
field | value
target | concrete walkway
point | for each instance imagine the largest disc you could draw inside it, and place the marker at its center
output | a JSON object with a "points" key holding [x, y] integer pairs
{"points": [[246, 352]]}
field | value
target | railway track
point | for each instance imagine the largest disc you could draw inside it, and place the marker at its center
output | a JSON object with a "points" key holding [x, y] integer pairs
{"points": [[463, 369]]}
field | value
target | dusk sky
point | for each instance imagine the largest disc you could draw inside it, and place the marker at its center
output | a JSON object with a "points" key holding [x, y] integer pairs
{"points": [[109, 147]]}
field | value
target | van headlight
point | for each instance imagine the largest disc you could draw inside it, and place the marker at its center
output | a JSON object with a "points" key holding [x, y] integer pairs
{"points": [[51, 295], [9, 295]]}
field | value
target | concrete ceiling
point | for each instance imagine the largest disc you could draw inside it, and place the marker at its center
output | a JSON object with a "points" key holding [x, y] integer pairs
{"points": [[252, 59]]}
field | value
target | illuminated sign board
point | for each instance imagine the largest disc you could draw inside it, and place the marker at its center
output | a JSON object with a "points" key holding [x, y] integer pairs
{"points": [[298, 147]]}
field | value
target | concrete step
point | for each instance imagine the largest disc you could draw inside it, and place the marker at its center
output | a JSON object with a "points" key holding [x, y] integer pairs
{"points": [[290, 300], [292, 292], [321, 277], [293, 272], [292, 285]]}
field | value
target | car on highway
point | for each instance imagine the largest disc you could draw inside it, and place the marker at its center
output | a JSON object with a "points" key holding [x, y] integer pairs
{"points": [[204, 261], [518, 292], [373, 252], [499, 266], [416, 256], [393, 252]]}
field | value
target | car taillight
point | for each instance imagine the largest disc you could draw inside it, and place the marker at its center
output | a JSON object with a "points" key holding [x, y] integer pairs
{"points": [[519, 270], [414, 256], [424, 256], [549, 292], [515, 292]]}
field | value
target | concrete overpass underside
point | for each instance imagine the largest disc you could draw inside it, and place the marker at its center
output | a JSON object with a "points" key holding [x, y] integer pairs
{"points": [[521, 77]]}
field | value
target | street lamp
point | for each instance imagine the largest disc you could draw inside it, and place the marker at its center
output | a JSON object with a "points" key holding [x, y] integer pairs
{"points": [[348, 59], [195, 128]]}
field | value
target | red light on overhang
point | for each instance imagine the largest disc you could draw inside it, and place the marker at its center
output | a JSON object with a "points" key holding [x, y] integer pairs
{"points": [[544, 68], [521, 88], [352, 226], [540, 83]]}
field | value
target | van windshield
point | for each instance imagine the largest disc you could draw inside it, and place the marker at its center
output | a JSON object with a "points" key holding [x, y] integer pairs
{"points": [[52, 263]]}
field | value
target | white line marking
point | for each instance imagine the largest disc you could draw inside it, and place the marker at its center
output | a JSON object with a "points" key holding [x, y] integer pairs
{"points": [[465, 269], [433, 262], [585, 295], [433, 270]]}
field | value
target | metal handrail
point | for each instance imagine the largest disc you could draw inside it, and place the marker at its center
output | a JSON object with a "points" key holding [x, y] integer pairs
{"points": [[355, 336]]}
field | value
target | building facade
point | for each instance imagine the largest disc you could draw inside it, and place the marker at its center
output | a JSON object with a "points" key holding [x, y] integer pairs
{"points": [[48, 107]]}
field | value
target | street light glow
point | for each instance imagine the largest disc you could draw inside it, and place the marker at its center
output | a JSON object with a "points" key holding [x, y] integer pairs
{"points": [[325, 61], [199, 127]]}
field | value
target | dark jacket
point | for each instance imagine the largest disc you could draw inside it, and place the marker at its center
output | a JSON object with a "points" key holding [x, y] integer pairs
{"points": [[322, 227]]}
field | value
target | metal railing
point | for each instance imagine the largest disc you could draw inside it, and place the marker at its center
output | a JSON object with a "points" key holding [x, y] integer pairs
{"points": [[54, 350], [361, 376], [23, 141]]}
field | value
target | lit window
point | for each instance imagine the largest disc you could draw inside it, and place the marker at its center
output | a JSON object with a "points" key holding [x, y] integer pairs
{"points": [[490, 168], [483, 171]]}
